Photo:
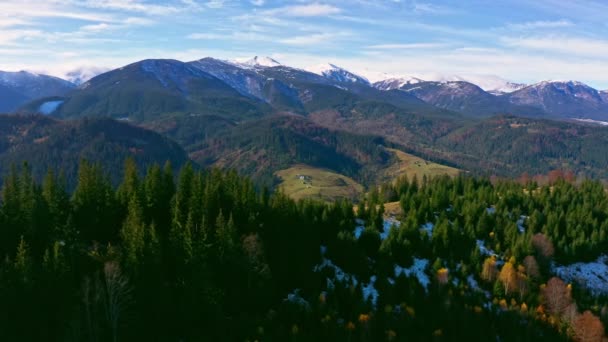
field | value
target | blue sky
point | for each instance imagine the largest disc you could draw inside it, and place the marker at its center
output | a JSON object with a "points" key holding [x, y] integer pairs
{"points": [[519, 40]]}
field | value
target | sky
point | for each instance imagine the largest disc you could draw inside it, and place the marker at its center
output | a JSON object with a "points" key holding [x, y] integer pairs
{"points": [[518, 40]]}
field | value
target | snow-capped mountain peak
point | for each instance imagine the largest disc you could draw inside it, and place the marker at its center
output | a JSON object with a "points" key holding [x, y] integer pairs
{"points": [[261, 62], [565, 85], [321, 69], [397, 82], [336, 73], [506, 88]]}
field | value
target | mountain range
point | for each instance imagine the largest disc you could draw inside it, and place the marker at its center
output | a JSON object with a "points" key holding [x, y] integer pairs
{"points": [[265, 79], [259, 116]]}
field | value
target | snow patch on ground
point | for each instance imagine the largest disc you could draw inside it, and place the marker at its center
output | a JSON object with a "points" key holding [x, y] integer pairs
{"points": [[590, 275], [601, 123], [483, 250], [340, 275], [473, 283], [417, 269], [428, 228], [49, 107], [370, 292], [388, 224], [520, 224], [295, 298], [359, 228]]}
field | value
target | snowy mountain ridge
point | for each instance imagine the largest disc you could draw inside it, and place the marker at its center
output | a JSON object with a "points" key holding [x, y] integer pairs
{"points": [[264, 62], [338, 74]]}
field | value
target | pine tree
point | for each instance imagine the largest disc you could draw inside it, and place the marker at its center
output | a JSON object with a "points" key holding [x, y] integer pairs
{"points": [[93, 201], [11, 214], [23, 263], [226, 235], [133, 235], [130, 186], [58, 206]]}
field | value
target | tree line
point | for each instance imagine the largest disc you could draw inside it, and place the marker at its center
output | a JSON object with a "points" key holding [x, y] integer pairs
{"points": [[205, 255]]}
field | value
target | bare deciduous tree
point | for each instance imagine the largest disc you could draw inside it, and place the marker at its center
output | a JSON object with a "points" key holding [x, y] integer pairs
{"points": [[557, 296], [117, 296], [531, 266], [543, 245]]}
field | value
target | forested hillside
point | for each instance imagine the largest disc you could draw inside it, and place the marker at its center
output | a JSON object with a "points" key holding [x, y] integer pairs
{"points": [[511, 146], [204, 256], [49, 144]]}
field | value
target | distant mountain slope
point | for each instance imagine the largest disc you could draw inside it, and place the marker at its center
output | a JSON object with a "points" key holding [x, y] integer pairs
{"points": [[11, 99], [244, 80], [563, 99], [49, 144], [466, 98], [151, 88], [249, 79], [510, 146], [17, 88]]}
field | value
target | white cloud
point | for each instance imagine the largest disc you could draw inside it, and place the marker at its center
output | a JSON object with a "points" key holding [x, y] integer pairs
{"points": [[140, 6], [406, 46], [9, 22], [257, 2], [429, 8], [21, 10], [313, 39], [96, 27], [241, 36], [138, 21], [572, 46], [215, 3], [309, 10], [540, 24], [11, 37]]}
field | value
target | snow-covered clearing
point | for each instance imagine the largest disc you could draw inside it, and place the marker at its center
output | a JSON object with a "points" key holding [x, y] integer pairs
{"points": [[49, 107], [388, 224], [590, 275], [417, 269]]}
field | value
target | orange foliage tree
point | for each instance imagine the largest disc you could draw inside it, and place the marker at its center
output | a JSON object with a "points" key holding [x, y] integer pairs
{"points": [[588, 328]]}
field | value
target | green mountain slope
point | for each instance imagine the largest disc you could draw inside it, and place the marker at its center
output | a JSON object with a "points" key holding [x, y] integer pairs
{"points": [[47, 143], [509, 146], [145, 90]]}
